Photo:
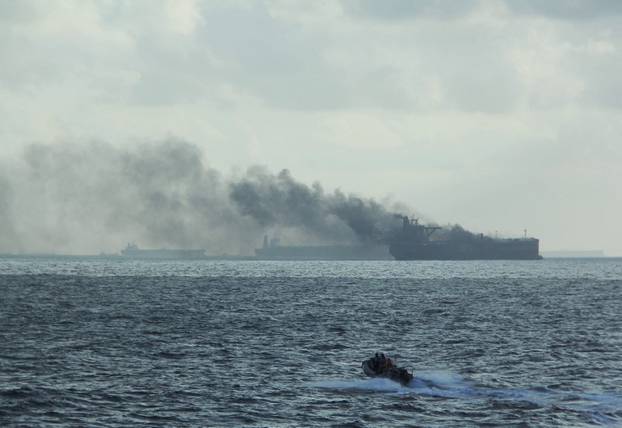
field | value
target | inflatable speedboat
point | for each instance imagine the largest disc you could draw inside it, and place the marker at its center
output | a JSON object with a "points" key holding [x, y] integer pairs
{"points": [[381, 366]]}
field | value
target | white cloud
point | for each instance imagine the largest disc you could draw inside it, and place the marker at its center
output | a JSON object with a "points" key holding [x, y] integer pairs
{"points": [[461, 109]]}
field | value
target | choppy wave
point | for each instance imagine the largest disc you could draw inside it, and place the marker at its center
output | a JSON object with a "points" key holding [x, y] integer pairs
{"points": [[270, 348], [600, 408]]}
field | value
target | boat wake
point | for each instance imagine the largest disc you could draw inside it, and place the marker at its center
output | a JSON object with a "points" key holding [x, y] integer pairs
{"points": [[438, 384], [603, 408]]}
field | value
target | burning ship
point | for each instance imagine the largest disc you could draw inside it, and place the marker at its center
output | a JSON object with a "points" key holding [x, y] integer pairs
{"points": [[414, 242]]}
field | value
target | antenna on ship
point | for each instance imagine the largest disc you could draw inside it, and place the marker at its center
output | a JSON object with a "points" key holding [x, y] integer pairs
{"points": [[525, 230]]}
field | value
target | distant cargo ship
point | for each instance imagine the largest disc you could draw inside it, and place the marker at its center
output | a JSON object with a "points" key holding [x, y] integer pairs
{"points": [[133, 251], [413, 243], [274, 251]]}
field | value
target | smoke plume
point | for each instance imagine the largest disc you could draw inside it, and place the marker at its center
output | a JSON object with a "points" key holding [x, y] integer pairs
{"points": [[279, 200], [92, 197]]}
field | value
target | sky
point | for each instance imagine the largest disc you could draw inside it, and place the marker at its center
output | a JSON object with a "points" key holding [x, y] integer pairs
{"points": [[498, 115]]}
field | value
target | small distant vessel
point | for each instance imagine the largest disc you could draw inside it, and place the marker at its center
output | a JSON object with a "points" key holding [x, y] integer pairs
{"points": [[133, 251], [382, 366]]}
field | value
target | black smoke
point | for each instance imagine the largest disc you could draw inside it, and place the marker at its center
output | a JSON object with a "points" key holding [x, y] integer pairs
{"points": [[280, 200], [96, 196]]}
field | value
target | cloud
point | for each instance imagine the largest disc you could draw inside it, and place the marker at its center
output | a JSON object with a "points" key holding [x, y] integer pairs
{"points": [[575, 10], [229, 54], [405, 98], [405, 9]]}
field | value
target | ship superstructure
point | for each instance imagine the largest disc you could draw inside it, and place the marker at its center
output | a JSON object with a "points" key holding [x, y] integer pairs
{"points": [[414, 242]]}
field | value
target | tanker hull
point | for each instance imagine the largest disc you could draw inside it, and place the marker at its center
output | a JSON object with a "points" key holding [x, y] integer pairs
{"points": [[505, 249]]}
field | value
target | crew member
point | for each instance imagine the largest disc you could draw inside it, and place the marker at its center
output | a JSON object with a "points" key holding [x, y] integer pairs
{"points": [[389, 364]]}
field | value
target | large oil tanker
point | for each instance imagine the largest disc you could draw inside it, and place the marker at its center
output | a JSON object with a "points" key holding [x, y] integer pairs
{"points": [[414, 242]]}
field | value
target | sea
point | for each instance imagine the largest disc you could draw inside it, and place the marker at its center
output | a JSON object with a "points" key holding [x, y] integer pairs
{"points": [[115, 342]]}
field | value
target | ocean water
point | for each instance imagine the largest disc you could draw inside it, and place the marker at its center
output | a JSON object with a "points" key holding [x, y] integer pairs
{"points": [[113, 342]]}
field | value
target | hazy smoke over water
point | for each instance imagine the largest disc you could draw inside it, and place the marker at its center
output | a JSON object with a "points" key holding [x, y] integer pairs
{"points": [[86, 198], [92, 197], [274, 200]]}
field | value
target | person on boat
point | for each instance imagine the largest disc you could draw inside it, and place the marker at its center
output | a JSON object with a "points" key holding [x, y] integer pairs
{"points": [[389, 364], [381, 362], [378, 362]]}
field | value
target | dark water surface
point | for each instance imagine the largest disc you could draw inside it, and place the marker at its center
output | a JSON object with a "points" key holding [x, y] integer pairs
{"points": [[111, 342]]}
